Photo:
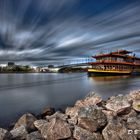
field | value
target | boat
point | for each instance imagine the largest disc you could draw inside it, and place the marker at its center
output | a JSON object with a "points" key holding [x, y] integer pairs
{"points": [[121, 62]]}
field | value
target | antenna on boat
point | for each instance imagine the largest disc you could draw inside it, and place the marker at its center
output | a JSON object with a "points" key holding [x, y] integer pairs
{"points": [[101, 52], [134, 55]]}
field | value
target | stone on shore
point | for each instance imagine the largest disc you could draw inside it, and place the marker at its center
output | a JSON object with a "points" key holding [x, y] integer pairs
{"points": [[55, 130], [72, 111], [19, 133], [136, 105], [73, 120], [116, 130], [133, 123], [88, 101], [109, 114], [131, 114], [134, 95], [4, 134], [91, 118], [26, 120], [47, 111], [59, 115], [118, 104], [40, 123], [83, 134], [34, 136]]}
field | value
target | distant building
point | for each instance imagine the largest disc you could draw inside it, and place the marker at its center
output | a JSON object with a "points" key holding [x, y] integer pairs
{"points": [[11, 64], [50, 66], [53, 69]]}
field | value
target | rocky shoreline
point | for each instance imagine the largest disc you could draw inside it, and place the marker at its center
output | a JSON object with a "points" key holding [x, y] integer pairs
{"points": [[92, 118]]}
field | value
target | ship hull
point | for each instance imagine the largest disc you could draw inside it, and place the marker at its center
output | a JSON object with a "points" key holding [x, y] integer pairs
{"points": [[92, 72]]}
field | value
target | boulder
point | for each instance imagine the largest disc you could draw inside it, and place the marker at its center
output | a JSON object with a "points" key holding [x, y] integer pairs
{"points": [[27, 120], [131, 114], [55, 130], [4, 134], [98, 136], [39, 124], [134, 95], [133, 123], [19, 133], [91, 118], [118, 104], [136, 105], [88, 101], [47, 111], [83, 134], [34, 136], [57, 115], [116, 130], [70, 139], [72, 111], [73, 120], [109, 114]]}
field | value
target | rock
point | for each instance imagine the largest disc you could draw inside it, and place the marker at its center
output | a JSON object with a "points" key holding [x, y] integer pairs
{"points": [[131, 114], [118, 104], [4, 134], [72, 111], [34, 136], [27, 120], [39, 124], [134, 95], [136, 105], [73, 120], [116, 130], [19, 133], [133, 123], [57, 115], [91, 118], [109, 114], [82, 134], [56, 129], [88, 101], [47, 111], [98, 136]]}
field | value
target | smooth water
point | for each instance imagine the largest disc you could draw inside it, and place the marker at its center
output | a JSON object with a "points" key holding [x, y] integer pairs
{"points": [[21, 93]]}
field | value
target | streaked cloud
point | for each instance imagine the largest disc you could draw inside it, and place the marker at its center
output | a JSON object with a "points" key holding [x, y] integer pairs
{"points": [[52, 31]]}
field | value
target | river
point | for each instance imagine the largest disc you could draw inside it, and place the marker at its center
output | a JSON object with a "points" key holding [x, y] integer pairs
{"points": [[21, 93]]}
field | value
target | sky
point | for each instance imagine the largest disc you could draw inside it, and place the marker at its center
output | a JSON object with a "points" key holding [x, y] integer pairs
{"points": [[42, 32]]}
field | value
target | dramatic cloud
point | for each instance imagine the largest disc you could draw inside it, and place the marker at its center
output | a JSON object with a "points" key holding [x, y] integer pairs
{"points": [[40, 32]]}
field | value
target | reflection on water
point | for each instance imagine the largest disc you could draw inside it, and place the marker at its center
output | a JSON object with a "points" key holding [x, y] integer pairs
{"points": [[20, 93], [113, 85], [109, 78]]}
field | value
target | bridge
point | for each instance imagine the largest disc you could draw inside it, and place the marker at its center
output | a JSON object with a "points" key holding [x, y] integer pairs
{"points": [[73, 65], [76, 63]]}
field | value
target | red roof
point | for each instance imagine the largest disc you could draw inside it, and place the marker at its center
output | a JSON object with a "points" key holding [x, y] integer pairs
{"points": [[120, 53]]}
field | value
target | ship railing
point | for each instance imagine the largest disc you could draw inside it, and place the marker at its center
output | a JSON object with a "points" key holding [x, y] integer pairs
{"points": [[112, 69], [114, 61]]}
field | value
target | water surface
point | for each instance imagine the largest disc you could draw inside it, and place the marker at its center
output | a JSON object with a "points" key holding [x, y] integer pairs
{"points": [[20, 93]]}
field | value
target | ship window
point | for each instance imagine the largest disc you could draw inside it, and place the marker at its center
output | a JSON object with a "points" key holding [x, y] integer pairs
{"points": [[137, 61]]}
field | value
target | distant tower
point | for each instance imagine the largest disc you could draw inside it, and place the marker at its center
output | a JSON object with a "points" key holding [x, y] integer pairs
{"points": [[11, 64]]}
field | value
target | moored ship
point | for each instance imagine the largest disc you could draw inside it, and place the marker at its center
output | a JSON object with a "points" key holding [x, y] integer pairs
{"points": [[115, 63]]}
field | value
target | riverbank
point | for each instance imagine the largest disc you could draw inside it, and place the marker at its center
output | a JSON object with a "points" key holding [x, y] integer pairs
{"points": [[92, 118]]}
